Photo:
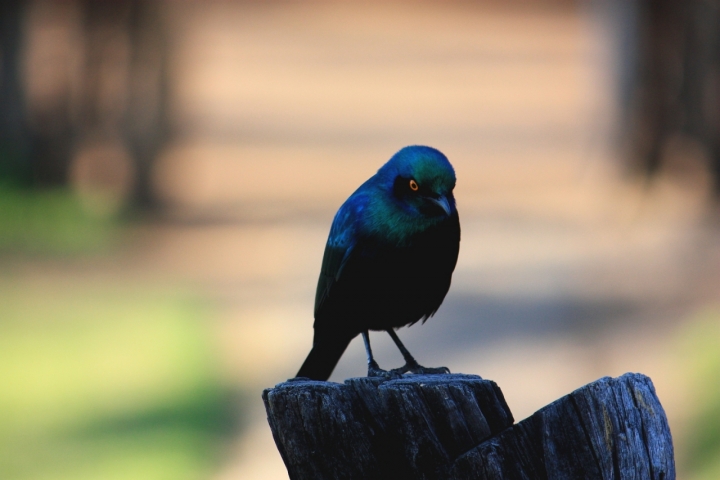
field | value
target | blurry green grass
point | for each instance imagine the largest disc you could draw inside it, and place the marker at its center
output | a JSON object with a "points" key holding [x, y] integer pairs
{"points": [[50, 221], [702, 354], [108, 385]]}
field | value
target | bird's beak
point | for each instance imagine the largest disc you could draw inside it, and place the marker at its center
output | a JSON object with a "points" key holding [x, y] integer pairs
{"points": [[443, 203]]}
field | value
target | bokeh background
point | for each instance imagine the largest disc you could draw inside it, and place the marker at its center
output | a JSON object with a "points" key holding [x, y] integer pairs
{"points": [[169, 172]]}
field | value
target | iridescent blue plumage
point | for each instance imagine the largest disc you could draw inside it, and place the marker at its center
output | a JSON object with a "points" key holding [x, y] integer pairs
{"points": [[389, 257]]}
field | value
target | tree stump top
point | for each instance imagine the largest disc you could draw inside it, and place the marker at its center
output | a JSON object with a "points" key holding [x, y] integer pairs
{"points": [[459, 426]]}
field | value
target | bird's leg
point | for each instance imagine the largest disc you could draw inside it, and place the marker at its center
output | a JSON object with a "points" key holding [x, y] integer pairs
{"points": [[411, 365], [374, 369]]}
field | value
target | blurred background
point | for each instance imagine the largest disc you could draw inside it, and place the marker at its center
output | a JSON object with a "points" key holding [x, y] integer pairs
{"points": [[169, 172]]}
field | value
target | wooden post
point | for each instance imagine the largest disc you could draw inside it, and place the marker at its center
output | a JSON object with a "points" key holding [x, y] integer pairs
{"points": [[459, 427]]}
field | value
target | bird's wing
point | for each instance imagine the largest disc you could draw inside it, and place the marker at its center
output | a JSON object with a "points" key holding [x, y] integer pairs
{"points": [[338, 250]]}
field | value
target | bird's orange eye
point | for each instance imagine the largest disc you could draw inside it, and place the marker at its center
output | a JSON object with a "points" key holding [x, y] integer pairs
{"points": [[413, 185]]}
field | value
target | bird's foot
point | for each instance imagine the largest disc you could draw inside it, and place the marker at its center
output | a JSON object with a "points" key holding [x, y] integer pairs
{"points": [[374, 370], [418, 369], [430, 370]]}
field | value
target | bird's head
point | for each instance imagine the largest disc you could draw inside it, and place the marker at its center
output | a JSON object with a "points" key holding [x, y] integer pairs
{"points": [[420, 180]]}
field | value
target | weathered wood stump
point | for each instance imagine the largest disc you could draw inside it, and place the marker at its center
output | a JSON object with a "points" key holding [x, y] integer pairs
{"points": [[459, 427]]}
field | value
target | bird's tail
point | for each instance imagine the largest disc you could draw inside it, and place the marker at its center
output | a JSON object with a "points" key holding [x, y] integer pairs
{"points": [[323, 357]]}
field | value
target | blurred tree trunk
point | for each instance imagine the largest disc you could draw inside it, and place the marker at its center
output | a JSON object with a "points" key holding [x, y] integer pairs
{"points": [[125, 79], [47, 88], [659, 77], [15, 167], [147, 122], [677, 82], [702, 80]]}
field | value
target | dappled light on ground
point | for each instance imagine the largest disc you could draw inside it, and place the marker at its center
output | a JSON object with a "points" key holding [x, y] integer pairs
{"points": [[109, 383]]}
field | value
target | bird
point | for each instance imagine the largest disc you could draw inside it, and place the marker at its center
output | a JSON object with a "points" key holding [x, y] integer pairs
{"points": [[388, 261]]}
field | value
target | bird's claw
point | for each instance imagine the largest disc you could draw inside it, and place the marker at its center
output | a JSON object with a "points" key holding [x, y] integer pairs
{"points": [[375, 371], [430, 370], [418, 369]]}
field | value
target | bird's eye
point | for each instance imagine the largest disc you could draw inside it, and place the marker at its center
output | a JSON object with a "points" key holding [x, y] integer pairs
{"points": [[413, 185]]}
